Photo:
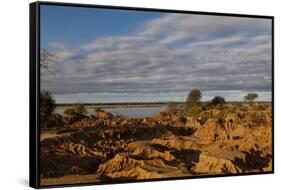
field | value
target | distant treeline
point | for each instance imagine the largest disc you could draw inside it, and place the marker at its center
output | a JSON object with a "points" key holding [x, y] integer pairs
{"points": [[144, 103]]}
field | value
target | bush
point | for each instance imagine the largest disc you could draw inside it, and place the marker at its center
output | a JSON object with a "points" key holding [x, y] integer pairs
{"points": [[218, 100], [194, 111], [69, 111], [193, 108], [47, 104], [76, 110], [194, 96]]}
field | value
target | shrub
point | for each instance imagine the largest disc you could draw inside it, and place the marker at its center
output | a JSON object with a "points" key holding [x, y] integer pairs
{"points": [[47, 104], [194, 96], [69, 111], [193, 107], [76, 110], [194, 111], [218, 100]]}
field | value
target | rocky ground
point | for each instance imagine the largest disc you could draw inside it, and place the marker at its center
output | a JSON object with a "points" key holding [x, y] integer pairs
{"points": [[234, 139]]}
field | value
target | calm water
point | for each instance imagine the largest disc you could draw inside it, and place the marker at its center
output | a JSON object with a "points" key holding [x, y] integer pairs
{"points": [[136, 112]]}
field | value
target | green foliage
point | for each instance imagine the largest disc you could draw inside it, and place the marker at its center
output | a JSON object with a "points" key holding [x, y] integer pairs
{"points": [[193, 108], [250, 97], [69, 112], [194, 111], [76, 110], [47, 104], [194, 96], [218, 100]]}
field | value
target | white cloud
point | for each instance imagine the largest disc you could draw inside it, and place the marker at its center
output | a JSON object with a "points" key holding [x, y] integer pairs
{"points": [[175, 52]]}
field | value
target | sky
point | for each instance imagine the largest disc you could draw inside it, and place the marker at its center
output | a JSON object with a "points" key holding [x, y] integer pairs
{"points": [[104, 55]]}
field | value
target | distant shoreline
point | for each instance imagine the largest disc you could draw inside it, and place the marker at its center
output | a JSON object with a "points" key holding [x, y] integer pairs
{"points": [[137, 104], [114, 105]]}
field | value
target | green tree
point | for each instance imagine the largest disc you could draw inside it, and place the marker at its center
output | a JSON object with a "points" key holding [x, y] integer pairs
{"points": [[250, 97], [193, 107], [194, 95], [218, 100], [47, 104]]}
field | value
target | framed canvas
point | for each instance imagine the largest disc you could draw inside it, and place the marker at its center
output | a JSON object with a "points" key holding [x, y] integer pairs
{"points": [[125, 94]]}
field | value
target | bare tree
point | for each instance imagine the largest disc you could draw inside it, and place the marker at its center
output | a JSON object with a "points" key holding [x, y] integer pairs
{"points": [[46, 58]]}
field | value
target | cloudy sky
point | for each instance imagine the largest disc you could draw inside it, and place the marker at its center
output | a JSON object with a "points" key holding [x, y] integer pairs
{"points": [[106, 55]]}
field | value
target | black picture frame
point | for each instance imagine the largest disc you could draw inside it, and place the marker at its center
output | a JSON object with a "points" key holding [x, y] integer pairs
{"points": [[34, 90]]}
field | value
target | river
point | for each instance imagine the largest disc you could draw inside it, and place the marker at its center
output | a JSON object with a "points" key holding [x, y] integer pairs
{"points": [[132, 112]]}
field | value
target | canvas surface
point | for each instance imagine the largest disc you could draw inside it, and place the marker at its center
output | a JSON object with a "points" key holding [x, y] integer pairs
{"points": [[132, 95]]}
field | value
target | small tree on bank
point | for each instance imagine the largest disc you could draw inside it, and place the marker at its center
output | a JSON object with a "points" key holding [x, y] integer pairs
{"points": [[47, 104], [193, 103], [250, 97]]}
